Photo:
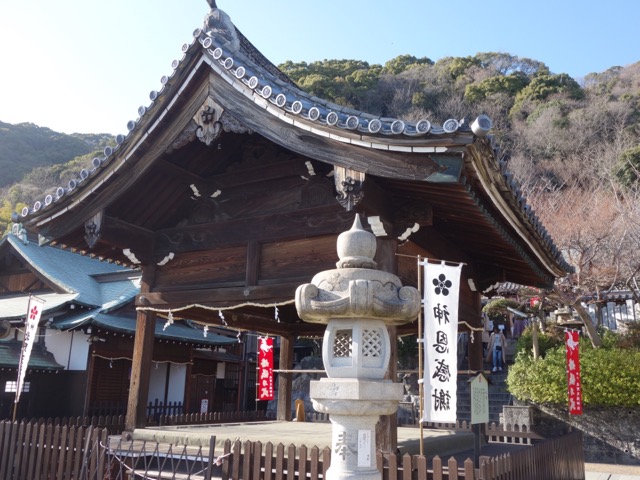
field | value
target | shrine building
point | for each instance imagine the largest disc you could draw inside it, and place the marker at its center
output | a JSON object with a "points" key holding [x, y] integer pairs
{"points": [[229, 191]]}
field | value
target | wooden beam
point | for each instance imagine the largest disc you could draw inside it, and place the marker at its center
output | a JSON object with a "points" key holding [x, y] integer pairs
{"points": [[120, 234], [325, 220], [253, 263], [204, 186], [219, 297], [141, 361]]}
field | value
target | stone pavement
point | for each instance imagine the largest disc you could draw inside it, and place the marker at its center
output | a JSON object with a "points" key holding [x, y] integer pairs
{"points": [[605, 471], [436, 442]]}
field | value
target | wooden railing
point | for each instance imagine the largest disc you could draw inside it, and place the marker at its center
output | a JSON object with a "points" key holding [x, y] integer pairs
{"points": [[61, 452], [41, 451], [114, 424], [560, 458], [158, 409], [212, 417]]}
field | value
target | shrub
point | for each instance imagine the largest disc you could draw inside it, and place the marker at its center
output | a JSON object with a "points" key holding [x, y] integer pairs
{"points": [[553, 337], [610, 376]]}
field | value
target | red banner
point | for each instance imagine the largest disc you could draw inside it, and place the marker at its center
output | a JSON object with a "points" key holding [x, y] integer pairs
{"points": [[34, 311], [572, 339], [265, 368]]}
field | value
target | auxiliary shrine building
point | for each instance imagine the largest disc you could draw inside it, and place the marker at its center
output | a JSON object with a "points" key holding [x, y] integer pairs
{"points": [[229, 190]]}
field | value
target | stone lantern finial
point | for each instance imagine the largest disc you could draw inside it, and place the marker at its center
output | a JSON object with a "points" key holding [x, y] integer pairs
{"points": [[356, 247]]}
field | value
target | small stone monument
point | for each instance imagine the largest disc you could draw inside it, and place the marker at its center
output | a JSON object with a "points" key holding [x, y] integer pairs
{"points": [[357, 303]]}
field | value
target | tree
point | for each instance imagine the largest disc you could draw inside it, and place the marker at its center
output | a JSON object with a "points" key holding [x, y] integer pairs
{"points": [[628, 169], [404, 62], [510, 84], [544, 86]]}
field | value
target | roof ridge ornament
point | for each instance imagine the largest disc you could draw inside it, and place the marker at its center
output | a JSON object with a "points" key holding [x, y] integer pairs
{"points": [[218, 24]]}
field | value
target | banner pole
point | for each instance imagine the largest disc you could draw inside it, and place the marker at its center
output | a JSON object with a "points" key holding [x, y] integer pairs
{"points": [[18, 387], [420, 352]]}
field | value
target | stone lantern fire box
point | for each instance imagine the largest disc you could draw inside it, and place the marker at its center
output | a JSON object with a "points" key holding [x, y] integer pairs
{"points": [[357, 303]]}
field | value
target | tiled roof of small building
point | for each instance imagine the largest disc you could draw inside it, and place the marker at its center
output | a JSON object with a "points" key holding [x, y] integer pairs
{"points": [[40, 358], [76, 275], [176, 331]]}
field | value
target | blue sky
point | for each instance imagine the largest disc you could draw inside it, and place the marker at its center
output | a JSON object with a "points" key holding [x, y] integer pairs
{"points": [[86, 66]]}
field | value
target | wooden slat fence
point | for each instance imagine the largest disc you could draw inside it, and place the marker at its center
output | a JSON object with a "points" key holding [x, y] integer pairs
{"points": [[559, 458], [38, 451], [115, 423], [213, 417], [50, 452], [512, 434], [107, 408], [157, 409]]}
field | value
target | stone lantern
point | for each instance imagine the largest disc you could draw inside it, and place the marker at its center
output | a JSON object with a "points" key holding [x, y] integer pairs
{"points": [[357, 303]]}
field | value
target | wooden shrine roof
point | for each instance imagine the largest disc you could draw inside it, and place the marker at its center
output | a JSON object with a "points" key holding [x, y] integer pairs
{"points": [[230, 153]]}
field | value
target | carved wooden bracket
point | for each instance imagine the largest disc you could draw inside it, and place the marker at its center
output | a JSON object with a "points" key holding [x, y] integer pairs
{"points": [[349, 185], [207, 125], [92, 229], [208, 121]]}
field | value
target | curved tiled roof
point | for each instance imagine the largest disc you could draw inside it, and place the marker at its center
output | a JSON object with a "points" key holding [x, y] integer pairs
{"points": [[221, 47], [269, 88]]}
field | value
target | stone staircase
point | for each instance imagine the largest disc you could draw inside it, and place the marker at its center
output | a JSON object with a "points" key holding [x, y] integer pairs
{"points": [[498, 393], [498, 396]]}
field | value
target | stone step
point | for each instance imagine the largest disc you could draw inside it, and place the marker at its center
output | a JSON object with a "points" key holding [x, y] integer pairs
{"points": [[498, 396]]}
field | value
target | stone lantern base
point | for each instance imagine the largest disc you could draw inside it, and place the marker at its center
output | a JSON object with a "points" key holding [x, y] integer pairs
{"points": [[354, 407]]}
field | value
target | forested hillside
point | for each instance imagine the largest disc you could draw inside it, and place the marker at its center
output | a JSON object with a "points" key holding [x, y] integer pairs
{"points": [[574, 145], [26, 146]]}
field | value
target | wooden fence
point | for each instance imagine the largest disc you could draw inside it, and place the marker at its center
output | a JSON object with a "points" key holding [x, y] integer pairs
{"points": [[213, 417], [39, 451], [559, 458], [157, 409], [31, 451], [114, 424]]}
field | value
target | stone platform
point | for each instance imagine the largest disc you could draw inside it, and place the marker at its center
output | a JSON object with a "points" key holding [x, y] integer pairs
{"points": [[435, 442]]}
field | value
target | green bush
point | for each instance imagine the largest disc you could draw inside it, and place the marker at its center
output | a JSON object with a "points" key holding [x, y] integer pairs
{"points": [[539, 381], [553, 337], [610, 376]]}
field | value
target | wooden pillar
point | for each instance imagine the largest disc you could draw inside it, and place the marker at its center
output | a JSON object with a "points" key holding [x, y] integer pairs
{"points": [[284, 379], [91, 365], [387, 427], [474, 353], [142, 356]]}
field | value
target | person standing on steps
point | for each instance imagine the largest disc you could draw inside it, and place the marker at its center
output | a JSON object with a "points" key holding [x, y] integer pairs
{"points": [[495, 351]]}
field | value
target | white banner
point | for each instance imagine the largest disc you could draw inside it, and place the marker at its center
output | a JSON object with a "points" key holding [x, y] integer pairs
{"points": [[34, 310], [441, 293]]}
